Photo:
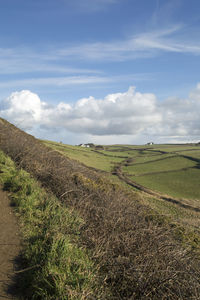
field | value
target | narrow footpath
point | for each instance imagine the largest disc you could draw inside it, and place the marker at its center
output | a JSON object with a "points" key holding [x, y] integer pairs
{"points": [[9, 248]]}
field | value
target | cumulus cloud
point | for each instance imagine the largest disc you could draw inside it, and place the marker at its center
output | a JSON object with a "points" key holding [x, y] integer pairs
{"points": [[121, 113], [23, 108], [128, 114]]}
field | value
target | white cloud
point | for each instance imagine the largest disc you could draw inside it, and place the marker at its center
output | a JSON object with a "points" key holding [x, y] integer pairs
{"points": [[124, 116], [116, 114], [166, 39], [142, 45], [24, 108], [181, 116], [25, 60], [72, 80], [56, 81], [59, 60]]}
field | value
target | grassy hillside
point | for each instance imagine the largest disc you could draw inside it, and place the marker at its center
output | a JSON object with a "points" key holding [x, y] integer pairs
{"points": [[53, 264], [136, 253], [86, 155]]}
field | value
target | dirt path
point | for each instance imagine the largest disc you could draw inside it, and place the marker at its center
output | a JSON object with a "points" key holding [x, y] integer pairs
{"points": [[9, 247]]}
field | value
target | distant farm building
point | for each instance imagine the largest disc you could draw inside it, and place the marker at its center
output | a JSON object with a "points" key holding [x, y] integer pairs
{"points": [[150, 143], [89, 145], [84, 145]]}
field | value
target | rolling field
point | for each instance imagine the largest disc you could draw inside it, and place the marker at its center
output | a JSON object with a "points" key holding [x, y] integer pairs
{"points": [[87, 156], [172, 170], [194, 153], [175, 147], [168, 170], [148, 158], [161, 165], [180, 184]]}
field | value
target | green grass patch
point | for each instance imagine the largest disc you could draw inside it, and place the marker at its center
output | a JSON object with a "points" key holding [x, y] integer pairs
{"points": [[194, 154], [174, 148], [57, 267], [86, 156], [176, 215], [168, 164], [180, 184], [147, 158], [116, 153]]}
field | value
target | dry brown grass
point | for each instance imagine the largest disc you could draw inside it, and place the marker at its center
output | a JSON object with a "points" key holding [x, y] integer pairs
{"points": [[135, 257]]}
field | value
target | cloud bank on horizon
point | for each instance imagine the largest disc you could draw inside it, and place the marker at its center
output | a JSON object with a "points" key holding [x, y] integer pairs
{"points": [[121, 117]]}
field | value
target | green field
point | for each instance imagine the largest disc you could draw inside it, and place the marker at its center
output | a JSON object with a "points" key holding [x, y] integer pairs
{"points": [[175, 147], [160, 165], [195, 153], [163, 168], [147, 158], [86, 156], [179, 184]]}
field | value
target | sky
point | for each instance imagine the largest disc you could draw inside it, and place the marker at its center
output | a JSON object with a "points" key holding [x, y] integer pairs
{"points": [[101, 71]]}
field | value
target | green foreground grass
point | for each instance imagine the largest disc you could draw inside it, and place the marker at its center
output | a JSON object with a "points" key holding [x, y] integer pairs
{"points": [[55, 266]]}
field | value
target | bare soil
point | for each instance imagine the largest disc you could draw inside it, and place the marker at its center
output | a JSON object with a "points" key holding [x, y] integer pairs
{"points": [[9, 248]]}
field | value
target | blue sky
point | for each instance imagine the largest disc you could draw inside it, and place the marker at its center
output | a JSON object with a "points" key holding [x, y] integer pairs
{"points": [[67, 68]]}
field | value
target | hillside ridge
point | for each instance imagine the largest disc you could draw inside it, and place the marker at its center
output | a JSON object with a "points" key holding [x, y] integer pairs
{"points": [[135, 252]]}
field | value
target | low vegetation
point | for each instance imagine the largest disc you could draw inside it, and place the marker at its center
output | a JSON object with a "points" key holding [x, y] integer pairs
{"points": [[54, 265], [136, 254]]}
